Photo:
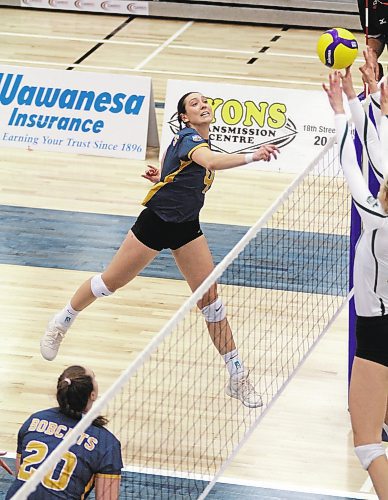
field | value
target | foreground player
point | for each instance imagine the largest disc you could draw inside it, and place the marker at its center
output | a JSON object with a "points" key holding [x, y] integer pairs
{"points": [[95, 460], [171, 220], [369, 380]]}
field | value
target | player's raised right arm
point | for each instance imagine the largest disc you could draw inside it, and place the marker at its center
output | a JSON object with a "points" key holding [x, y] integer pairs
{"points": [[223, 161]]}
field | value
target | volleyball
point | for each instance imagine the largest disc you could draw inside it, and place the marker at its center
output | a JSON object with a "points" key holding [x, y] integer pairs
{"points": [[337, 48]]}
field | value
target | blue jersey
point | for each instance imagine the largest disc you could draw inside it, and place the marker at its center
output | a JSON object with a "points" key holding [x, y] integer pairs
{"points": [[96, 453], [180, 194]]}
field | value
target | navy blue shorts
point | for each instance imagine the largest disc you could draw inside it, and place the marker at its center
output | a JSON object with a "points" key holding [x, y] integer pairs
{"points": [[372, 338], [158, 234]]}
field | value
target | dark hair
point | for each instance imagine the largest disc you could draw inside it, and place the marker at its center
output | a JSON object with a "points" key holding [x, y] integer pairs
{"points": [[181, 107], [74, 388]]}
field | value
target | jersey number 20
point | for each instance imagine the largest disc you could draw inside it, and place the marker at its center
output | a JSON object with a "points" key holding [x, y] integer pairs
{"points": [[39, 452]]}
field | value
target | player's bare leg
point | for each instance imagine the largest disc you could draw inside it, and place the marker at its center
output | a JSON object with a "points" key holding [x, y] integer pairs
{"points": [[129, 260], [196, 263], [367, 405]]}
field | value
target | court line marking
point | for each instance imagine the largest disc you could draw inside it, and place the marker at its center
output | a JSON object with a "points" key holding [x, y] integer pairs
{"points": [[255, 484], [363, 495], [174, 46], [96, 46], [165, 72], [296, 489], [242, 482], [164, 45], [367, 486], [210, 49], [76, 39], [307, 56], [123, 42]]}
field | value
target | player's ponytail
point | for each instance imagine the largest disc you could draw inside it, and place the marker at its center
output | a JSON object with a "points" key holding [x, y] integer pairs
{"points": [[74, 388]]}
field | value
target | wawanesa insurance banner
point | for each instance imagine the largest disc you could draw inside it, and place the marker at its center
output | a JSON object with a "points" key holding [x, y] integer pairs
{"points": [[299, 122], [74, 112]]}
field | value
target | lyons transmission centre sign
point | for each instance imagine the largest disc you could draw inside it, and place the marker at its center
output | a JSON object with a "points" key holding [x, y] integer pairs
{"points": [[299, 122], [77, 112]]}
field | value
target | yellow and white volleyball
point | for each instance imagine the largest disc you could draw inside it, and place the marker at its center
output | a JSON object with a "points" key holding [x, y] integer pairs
{"points": [[337, 48]]}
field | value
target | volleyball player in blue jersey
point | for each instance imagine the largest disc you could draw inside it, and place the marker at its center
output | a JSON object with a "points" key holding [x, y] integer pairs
{"points": [[369, 379], [171, 220], [94, 461]]}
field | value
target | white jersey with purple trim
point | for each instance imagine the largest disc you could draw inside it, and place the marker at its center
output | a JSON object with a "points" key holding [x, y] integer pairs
{"points": [[371, 260], [368, 134], [376, 110]]}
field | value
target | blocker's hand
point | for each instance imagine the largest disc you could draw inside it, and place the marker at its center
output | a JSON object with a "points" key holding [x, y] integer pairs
{"points": [[347, 84], [371, 64], [334, 92], [368, 70]]}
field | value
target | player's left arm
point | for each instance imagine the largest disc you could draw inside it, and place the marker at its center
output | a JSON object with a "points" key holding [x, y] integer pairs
{"points": [[107, 487], [222, 161], [107, 482], [364, 126], [152, 174], [368, 135], [19, 448], [370, 210]]}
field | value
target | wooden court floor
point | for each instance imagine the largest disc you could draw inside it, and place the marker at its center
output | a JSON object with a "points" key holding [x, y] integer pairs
{"points": [[304, 443]]}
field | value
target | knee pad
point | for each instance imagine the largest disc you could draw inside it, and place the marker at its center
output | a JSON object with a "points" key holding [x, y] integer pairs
{"points": [[214, 312], [369, 452], [98, 287]]}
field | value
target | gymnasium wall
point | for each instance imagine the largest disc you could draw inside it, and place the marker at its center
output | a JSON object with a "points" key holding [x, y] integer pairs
{"points": [[310, 13]]}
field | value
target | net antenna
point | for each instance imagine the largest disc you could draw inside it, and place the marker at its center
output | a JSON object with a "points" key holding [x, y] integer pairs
{"points": [[283, 285]]}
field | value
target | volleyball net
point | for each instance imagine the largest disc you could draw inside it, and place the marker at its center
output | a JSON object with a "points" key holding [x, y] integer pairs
{"points": [[283, 285]]}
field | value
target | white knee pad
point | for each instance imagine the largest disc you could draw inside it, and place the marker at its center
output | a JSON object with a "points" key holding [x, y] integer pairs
{"points": [[369, 452], [214, 312], [98, 287]]}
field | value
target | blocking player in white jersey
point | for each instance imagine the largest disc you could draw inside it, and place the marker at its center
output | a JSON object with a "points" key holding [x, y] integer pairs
{"points": [[369, 380]]}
